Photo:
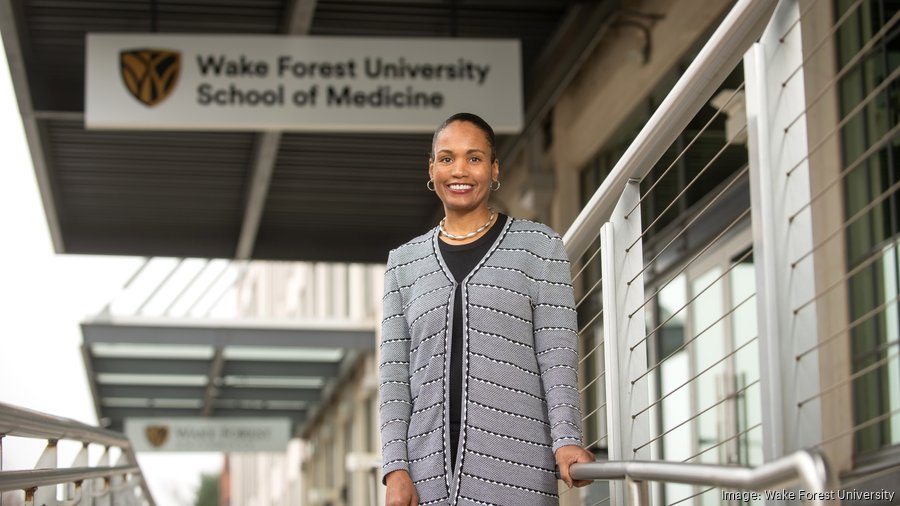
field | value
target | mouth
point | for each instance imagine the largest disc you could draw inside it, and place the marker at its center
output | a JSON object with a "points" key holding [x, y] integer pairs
{"points": [[460, 187]]}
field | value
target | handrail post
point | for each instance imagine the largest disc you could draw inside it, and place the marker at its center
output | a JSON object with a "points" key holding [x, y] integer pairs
{"points": [[46, 496], [102, 485], [638, 492], [779, 184], [81, 460], [625, 355]]}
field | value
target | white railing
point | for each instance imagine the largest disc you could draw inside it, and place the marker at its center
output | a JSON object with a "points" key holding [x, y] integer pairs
{"points": [[804, 468], [743, 25], [99, 484]]}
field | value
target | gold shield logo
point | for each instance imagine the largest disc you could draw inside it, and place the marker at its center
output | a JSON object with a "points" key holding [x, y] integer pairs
{"points": [[157, 435], [150, 74]]}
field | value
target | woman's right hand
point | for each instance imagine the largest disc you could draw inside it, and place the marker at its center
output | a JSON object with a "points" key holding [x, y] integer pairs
{"points": [[400, 489]]}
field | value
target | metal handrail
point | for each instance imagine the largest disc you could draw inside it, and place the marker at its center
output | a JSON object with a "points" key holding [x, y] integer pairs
{"points": [[744, 24], [21, 422], [23, 480], [805, 467]]}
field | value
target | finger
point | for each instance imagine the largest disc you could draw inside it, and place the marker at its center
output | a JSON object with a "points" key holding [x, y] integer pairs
{"points": [[564, 473], [582, 483]]}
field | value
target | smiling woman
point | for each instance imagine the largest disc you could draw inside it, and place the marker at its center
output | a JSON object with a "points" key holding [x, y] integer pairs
{"points": [[479, 394], [463, 169]]}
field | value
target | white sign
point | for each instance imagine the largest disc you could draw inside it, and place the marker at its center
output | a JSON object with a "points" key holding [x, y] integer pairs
{"points": [[208, 434], [236, 82]]}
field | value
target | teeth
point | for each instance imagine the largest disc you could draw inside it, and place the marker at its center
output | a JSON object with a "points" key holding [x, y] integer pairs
{"points": [[460, 186]]}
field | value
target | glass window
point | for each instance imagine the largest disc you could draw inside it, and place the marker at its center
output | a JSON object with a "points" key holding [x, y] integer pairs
{"points": [[872, 212]]}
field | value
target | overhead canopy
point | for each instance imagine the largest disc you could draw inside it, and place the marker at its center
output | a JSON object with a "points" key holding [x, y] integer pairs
{"points": [[142, 367], [290, 196]]}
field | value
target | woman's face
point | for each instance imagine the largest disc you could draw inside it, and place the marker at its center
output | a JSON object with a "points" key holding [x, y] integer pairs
{"points": [[462, 169]]}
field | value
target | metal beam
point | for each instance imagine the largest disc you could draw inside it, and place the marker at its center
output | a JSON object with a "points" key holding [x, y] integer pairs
{"points": [[89, 372], [214, 376], [298, 22], [271, 394], [149, 366], [120, 414], [265, 154], [300, 14], [168, 413], [217, 366], [225, 393], [295, 415], [188, 286], [10, 30], [60, 115], [262, 368], [159, 286], [225, 333], [106, 312], [209, 286], [147, 392], [242, 273], [351, 362]]}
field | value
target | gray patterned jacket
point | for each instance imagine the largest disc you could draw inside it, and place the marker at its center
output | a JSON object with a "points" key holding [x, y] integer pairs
{"points": [[520, 393]]}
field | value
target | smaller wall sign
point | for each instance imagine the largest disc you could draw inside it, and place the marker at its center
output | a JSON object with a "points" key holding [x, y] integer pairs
{"points": [[208, 434]]}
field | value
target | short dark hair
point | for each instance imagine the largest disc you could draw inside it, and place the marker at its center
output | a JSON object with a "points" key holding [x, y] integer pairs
{"points": [[469, 118]]}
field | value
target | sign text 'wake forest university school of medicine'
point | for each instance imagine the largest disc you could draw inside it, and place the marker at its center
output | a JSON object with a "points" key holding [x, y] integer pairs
{"points": [[240, 82]]}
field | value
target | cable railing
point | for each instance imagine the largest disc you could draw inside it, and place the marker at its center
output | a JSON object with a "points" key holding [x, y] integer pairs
{"points": [[726, 47], [121, 483], [638, 295], [725, 348]]}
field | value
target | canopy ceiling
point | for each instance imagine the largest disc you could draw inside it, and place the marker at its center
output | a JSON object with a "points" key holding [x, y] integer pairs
{"points": [[145, 367]]}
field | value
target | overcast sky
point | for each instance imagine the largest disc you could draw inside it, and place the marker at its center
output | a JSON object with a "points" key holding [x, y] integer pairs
{"points": [[43, 298]]}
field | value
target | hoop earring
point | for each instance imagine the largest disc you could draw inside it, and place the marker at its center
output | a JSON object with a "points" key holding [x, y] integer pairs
{"points": [[430, 184], [493, 188]]}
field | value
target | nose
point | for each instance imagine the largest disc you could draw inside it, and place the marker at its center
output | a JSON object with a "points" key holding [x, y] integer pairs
{"points": [[459, 168]]}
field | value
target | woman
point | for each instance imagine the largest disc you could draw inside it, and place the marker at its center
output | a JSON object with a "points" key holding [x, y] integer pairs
{"points": [[479, 392]]}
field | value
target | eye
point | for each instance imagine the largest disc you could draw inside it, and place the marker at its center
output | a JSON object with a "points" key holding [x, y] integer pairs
{"points": [[445, 159], [475, 159]]}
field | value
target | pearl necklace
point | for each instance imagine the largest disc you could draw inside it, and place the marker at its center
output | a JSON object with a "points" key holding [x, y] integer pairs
{"points": [[470, 234]]}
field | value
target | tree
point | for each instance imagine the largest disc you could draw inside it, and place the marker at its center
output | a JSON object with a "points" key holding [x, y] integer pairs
{"points": [[208, 492]]}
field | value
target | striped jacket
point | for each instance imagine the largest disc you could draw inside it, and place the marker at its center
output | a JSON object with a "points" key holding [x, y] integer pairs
{"points": [[520, 396]]}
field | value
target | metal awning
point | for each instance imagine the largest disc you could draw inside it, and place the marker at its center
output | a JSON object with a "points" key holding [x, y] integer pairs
{"points": [[299, 196], [152, 367]]}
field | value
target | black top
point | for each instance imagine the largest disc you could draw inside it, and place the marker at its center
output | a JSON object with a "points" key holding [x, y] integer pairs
{"points": [[461, 259]]}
